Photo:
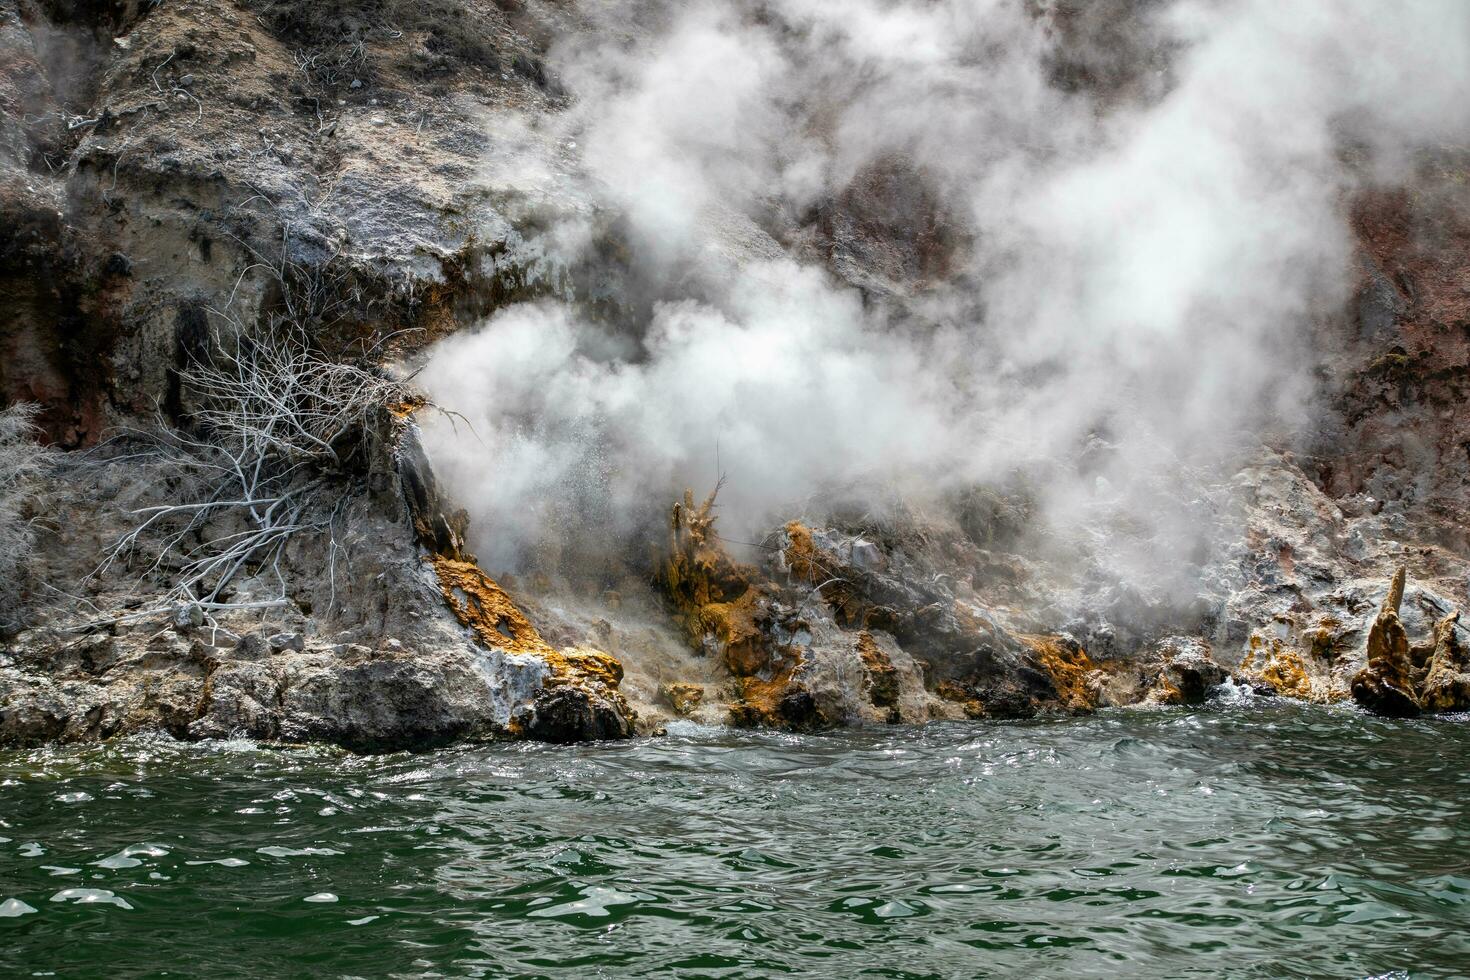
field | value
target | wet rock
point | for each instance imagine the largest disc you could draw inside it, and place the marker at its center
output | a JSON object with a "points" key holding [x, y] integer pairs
{"points": [[1447, 680], [883, 680], [33, 711], [798, 709], [1068, 668], [572, 714], [384, 705], [1006, 701], [962, 695], [1276, 668], [1188, 673], [240, 700]]}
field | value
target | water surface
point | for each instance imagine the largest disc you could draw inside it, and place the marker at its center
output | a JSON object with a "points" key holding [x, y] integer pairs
{"points": [[1256, 840]]}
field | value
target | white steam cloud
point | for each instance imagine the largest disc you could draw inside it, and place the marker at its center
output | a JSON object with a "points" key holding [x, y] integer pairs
{"points": [[1134, 263]]}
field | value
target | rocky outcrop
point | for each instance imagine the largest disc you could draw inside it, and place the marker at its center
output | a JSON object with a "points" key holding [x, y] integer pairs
{"points": [[579, 699], [408, 648], [1401, 680], [1446, 685], [175, 173], [1187, 673], [833, 628], [367, 700]]}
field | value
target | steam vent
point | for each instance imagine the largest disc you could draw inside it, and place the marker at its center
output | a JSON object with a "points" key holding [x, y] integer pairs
{"points": [[734, 488]]}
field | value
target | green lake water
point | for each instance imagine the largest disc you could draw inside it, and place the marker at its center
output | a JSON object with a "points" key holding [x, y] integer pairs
{"points": [[1251, 839]]}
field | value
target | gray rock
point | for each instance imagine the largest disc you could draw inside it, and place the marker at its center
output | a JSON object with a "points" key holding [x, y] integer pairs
{"points": [[223, 639], [284, 642], [252, 646], [865, 554], [188, 617]]}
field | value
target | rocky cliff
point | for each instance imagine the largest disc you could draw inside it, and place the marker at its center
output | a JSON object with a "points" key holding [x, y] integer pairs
{"points": [[189, 188]]}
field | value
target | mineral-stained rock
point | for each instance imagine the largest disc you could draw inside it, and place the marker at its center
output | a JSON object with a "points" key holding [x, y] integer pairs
{"points": [[1067, 666], [682, 698], [962, 695], [1187, 674], [1276, 668], [148, 213], [883, 685], [1447, 681], [1386, 685], [580, 699]]}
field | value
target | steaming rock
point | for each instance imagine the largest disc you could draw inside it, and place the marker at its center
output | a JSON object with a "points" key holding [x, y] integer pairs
{"points": [[1005, 330]]}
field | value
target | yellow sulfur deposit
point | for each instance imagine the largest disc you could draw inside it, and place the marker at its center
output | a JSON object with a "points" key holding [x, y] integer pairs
{"points": [[1068, 666], [480, 603]]}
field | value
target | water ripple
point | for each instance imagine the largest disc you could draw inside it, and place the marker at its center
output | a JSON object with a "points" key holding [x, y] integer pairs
{"points": [[1250, 839]]}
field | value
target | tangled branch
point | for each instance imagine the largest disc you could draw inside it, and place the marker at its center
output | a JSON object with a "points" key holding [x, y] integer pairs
{"points": [[275, 422]]}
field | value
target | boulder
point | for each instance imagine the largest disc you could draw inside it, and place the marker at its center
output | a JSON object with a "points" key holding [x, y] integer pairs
{"points": [[574, 714]]}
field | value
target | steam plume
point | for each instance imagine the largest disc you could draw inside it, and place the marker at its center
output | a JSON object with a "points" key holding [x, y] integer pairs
{"points": [[1129, 261]]}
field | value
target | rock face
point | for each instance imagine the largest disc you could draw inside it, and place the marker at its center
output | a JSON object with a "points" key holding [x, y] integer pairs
{"points": [[175, 174], [451, 655]]}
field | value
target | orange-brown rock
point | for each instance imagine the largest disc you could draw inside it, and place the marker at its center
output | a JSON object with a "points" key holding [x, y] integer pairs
{"points": [[579, 699], [1068, 667], [962, 695], [1447, 680], [883, 685], [1386, 685], [482, 605], [716, 597], [1282, 669], [684, 699]]}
